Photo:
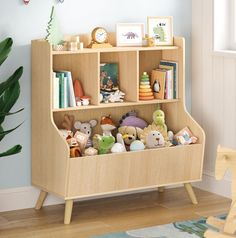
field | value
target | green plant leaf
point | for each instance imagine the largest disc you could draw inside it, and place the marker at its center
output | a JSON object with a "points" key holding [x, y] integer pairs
{"points": [[4, 133], [9, 98], [5, 49], [3, 114], [11, 80], [14, 150], [1, 130]]}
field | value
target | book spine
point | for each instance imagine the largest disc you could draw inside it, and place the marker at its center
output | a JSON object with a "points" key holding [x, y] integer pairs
{"points": [[61, 90], [65, 96], [55, 92], [71, 93]]}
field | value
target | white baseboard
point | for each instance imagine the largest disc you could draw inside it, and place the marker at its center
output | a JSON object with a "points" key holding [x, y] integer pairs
{"points": [[210, 184], [26, 197]]}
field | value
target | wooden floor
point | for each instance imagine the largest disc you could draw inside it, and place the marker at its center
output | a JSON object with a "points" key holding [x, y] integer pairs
{"points": [[111, 215]]}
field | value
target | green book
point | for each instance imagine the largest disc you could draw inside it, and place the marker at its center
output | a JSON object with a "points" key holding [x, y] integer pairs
{"points": [[61, 89]]}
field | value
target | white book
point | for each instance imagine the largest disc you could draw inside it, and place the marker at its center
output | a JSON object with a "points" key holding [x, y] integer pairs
{"points": [[55, 92], [169, 84]]}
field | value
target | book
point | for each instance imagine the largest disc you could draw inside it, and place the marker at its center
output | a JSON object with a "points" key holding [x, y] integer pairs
{"points": [[158, 79], [173, 66], [56, 92], [70, 89], [169, 84], [62, 89]]}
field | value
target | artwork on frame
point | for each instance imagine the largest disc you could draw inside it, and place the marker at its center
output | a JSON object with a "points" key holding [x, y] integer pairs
{"points": [[129, 34], [161, 29], [109, 81]]}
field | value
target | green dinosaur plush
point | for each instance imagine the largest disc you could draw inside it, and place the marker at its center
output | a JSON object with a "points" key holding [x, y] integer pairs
{"points": [[159, 119], [105, 143]]}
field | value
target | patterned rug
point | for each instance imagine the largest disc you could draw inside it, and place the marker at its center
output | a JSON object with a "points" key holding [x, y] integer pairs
{"points": [[185, 229]]}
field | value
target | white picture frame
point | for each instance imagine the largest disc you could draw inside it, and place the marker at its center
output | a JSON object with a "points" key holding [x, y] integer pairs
{"points": [[161, 28], [129, 34]]}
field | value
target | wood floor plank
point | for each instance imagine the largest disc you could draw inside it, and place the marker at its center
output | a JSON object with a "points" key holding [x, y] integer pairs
{"points": [[108, 215]]}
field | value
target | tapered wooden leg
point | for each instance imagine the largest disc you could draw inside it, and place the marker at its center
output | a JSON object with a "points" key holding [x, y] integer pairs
{"points": [[191, 193], [41, 199], [161, 189], [68, 211]]}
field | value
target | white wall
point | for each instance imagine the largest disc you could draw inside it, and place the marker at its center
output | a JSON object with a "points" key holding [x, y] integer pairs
{"points": [[24, 23], [213, 92]]}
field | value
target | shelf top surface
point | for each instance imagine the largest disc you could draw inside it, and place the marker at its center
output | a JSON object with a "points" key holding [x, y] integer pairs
{"points": [[113, 105], [115, 49]]}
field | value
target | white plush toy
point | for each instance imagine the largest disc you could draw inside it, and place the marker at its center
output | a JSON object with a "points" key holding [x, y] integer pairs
{"points": [[119, 146], [86, 128], [155, 139], [117, 96]]}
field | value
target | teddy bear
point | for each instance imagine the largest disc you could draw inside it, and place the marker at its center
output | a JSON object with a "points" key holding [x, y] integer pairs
{"points": [[130, 134], [86, 128]]}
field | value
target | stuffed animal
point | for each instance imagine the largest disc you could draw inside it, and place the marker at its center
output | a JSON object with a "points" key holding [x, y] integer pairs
{"points": [[154, 136], [107, 125], [86, 128], [105, 144], [131, 119], [159, 119], [129, 134], [68, 122], [119, 146], [90, 151]]}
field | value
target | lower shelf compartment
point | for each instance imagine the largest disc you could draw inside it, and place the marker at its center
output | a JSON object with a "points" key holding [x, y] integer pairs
{"points": [[108, 173]]}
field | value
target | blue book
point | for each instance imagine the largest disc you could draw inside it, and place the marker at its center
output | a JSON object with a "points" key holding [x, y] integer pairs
{"points": [[164, 64]]}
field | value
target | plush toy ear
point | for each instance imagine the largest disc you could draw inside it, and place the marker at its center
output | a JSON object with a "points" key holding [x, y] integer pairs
{"points": [[93, 123], [122, 129], [77, 125], [139, 132]]}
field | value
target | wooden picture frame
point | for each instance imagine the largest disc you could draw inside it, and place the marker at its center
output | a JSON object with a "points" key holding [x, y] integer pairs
{"points": [[161, 28], [129, 34]]}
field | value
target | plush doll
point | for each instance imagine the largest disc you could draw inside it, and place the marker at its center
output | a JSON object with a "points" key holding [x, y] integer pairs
{"points": [[131, 119], [119, 146], [86, 128], [159, 119], [103, 143], [107, 125], [129, 134]]}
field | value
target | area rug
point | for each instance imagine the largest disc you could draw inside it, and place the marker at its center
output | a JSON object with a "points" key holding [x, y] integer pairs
{"points": [[185, 229]]}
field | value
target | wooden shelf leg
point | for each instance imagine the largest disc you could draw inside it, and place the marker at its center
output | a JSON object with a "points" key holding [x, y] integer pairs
{"points": [[41, 199], [161, 189], [68, 211], [191, 193]]}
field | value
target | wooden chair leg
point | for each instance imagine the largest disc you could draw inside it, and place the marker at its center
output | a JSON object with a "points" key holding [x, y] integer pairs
{"points": [[41, 199], [191, 193], [161, 189], [68, 211]]}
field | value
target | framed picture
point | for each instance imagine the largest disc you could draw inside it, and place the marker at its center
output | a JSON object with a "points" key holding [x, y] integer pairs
{"points": [[129, 34], [161, 28], [109, 81]]}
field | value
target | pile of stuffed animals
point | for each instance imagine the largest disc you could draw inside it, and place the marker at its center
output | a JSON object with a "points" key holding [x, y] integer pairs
{"points": [[133, 134]]}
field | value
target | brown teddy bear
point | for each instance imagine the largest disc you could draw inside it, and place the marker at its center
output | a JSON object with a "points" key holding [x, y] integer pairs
{"points": [[129, 134]]}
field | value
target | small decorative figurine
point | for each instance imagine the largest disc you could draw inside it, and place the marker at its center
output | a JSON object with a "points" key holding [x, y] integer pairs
{"points": [[107, 125], [75, 152], [119, 146], [131, 119], [137, 145], [117, 96], [86, 128], [85, 100], [145, 90]]}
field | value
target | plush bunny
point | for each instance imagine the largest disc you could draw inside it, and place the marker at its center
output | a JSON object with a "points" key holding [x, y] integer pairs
{"points": [[86, 128]]}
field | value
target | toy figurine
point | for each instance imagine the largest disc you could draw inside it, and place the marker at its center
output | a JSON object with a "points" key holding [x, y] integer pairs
{"points": [[85, 100], [117, 96], [107, 125], [159, 119], [131, 119], [119, 146], [75, 152], [86, 128]]}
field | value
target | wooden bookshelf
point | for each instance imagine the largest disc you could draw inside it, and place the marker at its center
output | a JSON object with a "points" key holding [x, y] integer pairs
{"points": [[53, 171]]}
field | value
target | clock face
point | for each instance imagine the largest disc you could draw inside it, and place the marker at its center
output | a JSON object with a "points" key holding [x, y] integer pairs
{"points": [[100, 35]]}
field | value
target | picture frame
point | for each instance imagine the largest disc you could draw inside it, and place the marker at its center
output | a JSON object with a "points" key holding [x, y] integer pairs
{"points": [[161, 28], [129, 34]]}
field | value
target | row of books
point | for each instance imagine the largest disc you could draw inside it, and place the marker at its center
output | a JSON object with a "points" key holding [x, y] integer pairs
{"points": [[63, 90], [164, 80]]}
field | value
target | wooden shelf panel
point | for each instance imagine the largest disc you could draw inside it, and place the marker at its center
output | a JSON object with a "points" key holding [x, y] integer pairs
{"points": [[113, 105], [115, 49]]}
